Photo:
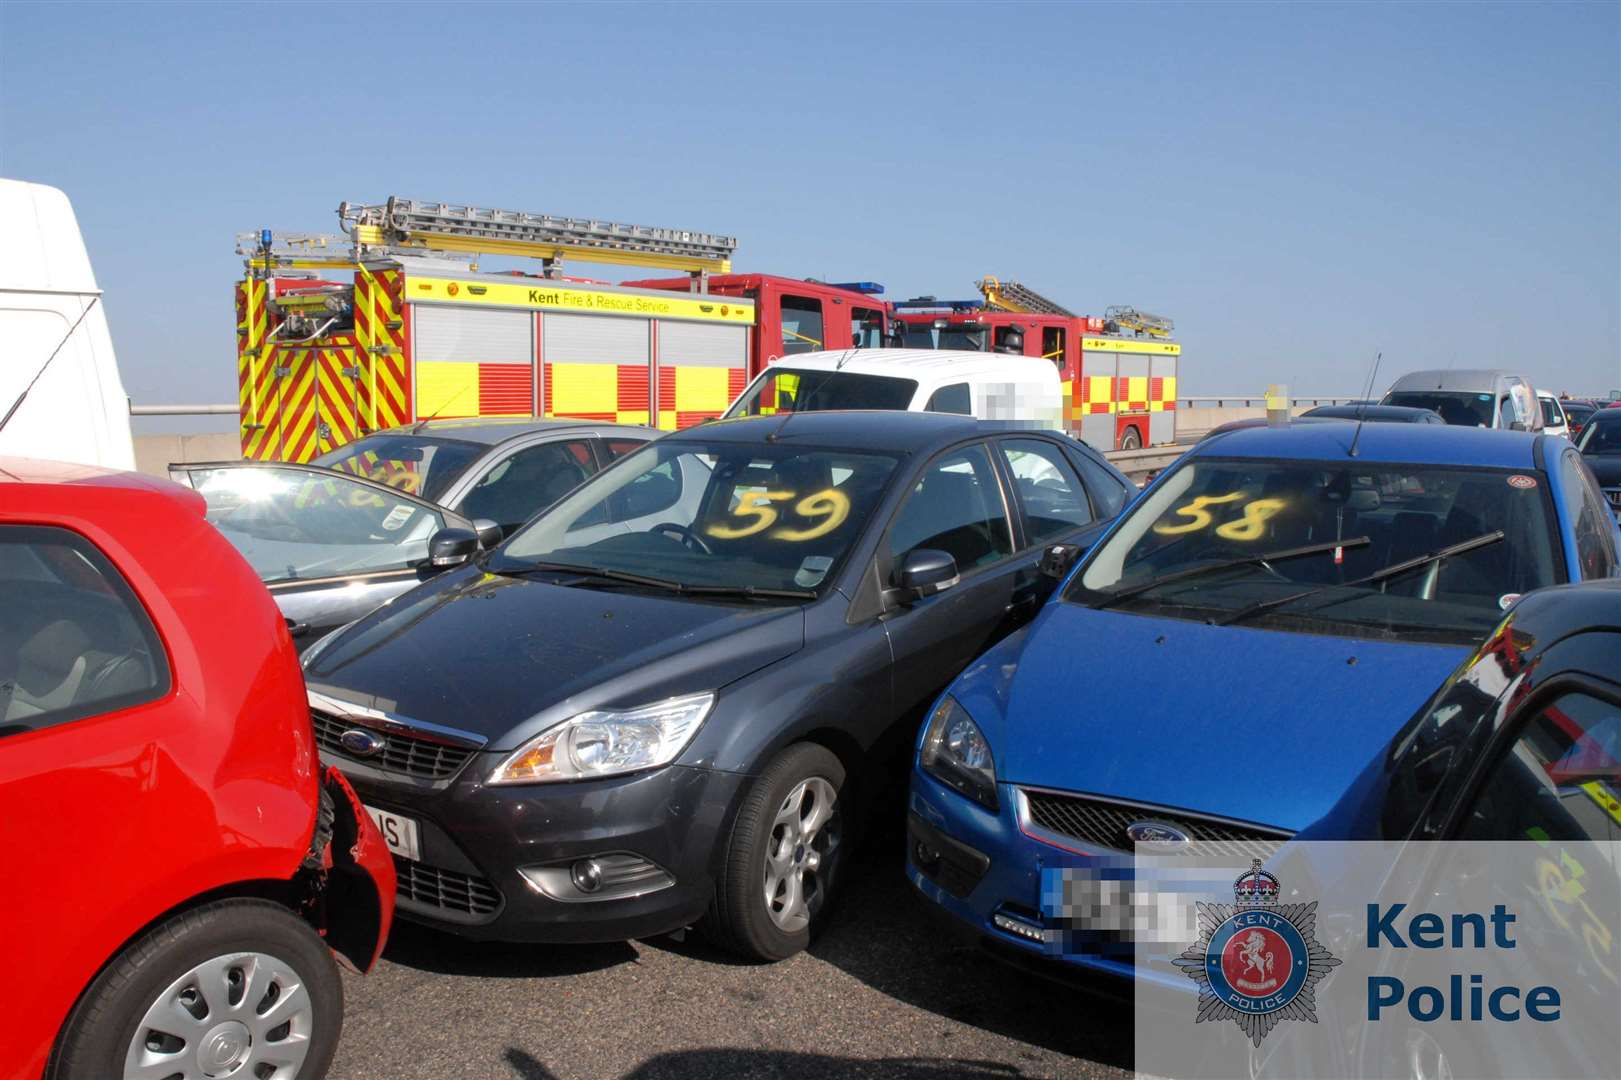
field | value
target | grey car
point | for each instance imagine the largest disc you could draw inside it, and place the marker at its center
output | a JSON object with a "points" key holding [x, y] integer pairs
{"points": [[334, 539]]}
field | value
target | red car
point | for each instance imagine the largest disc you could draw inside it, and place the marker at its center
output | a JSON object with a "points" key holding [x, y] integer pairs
{"points": [[181, 871]]}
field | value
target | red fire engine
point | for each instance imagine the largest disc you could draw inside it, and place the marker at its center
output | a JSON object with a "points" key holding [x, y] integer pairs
{"points": [[1119, 370]]}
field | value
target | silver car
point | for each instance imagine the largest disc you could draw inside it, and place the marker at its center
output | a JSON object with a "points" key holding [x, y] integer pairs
{"points": [[1471, 397]]}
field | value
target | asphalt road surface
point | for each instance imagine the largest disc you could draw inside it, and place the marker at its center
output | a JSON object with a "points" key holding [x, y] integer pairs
{"points": [[881, 994]]}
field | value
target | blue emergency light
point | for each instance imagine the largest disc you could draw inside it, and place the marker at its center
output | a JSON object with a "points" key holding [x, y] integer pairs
{"points": [[871, 288], [264, 238], [931, 302]]}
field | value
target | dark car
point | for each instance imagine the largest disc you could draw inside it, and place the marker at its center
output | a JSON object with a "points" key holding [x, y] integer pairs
{"points": [[1375, 414], [1600, 446], [331, 548], [1577, 413], [649, 705], [504, 471]]}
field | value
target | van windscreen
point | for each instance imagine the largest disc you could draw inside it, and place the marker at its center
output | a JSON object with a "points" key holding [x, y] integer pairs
{"points": [[788, 390]]}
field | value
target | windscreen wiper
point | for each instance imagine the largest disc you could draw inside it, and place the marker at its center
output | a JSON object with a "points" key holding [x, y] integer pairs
{"points": [[1394, 570], [1228, 564], [750, 591], [588, 574]]}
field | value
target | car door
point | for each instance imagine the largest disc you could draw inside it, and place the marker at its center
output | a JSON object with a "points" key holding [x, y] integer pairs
{"points": [[1052, 507], [519, 484], [956, 504]]}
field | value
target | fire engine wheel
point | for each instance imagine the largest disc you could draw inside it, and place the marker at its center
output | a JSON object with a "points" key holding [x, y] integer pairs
{"points": [[239, 988], [783, 859], [1131, 440]]}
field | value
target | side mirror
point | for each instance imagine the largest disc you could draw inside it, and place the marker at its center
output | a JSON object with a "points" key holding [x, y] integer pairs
{"points": [[452, 547], [1058, 559], [489, 533], [924, 572]]}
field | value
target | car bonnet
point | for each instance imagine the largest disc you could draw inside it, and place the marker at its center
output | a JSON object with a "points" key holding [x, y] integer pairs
{"points": [[484, 653], [1262, 726]]}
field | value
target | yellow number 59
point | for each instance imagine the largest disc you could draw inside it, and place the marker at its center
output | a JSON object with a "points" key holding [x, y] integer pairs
{"points": [[751, 504]]}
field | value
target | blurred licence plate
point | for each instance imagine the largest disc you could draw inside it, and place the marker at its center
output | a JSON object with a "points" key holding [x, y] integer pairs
{"points": [[399, 833]]}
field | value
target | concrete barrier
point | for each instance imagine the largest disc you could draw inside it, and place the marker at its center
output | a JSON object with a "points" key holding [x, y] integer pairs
{"points": [[153, 453]]}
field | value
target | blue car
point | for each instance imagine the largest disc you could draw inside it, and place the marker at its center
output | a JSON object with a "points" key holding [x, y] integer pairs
{"points": [[1303, 591]]}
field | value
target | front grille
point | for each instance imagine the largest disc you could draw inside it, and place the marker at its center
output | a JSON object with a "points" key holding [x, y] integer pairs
{"points": [[401, 753], [444, 889], [1101, 823]]}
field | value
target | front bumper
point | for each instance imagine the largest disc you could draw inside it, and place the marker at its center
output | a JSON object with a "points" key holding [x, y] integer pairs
{"points": [[980, 868], [474, 837]]}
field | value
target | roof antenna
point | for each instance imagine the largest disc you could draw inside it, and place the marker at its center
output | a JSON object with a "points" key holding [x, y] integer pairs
{"points": [[1362, 410]]}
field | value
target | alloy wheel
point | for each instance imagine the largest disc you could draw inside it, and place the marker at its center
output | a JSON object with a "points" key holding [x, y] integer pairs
{"points": [[798, 858]]}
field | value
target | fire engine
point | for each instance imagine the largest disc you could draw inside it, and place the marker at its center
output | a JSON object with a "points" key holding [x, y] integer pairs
{"points": [[1119, 370], [394, 322]]}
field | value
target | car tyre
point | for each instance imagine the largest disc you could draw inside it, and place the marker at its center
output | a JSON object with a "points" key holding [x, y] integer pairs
{"points": [[1131, 440], [782, 861], [259, 984]]}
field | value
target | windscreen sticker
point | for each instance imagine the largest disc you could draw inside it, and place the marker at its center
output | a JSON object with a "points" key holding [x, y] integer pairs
{"points": [[1522, 482], [397, 517], [812, 570]]}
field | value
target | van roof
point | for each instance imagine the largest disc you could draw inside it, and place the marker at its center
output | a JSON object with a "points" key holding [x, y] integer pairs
{"points": [[1454, 379], [43, 249], [917, 363]]}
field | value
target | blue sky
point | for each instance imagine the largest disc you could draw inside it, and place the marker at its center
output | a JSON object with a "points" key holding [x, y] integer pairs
{"points": [[1298, 186]]}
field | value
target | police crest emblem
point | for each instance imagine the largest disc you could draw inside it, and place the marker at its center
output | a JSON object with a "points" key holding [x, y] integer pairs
{"points": [[1257, 961]]}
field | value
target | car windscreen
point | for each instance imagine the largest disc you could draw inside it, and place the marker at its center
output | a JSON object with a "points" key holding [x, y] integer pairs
{"points": [[298, 524], [1205, 544], [711, 516], [421, 466], [790, 390], [1459, 408], [1601, 437]]}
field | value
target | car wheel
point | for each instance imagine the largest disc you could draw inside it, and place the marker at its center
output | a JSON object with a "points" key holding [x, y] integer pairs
{"points": [[782, 862], [1131, 440], [239, 988]]}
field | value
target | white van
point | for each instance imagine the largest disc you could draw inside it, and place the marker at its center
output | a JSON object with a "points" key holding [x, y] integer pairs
{"points": [[58, 378], [1471, 397], [990, 386]]}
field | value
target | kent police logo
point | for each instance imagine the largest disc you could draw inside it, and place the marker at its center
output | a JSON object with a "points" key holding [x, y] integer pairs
{"points": [[1257, 962]]}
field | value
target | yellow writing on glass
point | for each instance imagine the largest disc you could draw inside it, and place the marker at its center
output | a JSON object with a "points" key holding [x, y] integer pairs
{"points": [[832, 506], [1199, 517], [1252, 526]]}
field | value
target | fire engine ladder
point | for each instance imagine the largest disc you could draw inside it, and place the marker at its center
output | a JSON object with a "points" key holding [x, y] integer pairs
{"points": [[1011, 296], [407, 224], [1129, 318]]}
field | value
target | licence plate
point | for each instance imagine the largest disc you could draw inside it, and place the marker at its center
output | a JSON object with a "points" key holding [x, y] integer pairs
{"points": [[399, 833]]}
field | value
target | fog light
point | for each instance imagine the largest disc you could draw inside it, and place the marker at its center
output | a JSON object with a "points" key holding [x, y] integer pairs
{"points": [[1019, 927], [586, 875]]}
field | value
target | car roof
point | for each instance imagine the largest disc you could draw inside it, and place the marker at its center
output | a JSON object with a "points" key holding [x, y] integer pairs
{"points": [[1371, 412], [1467, 379], [1560, 610], [1431, 444], [492, 430], [1605, 416], [855, 429], [913, 363], [18, 470]]}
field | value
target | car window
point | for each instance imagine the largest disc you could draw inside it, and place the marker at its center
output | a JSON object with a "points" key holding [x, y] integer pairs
{"points": [[1050, 493], [1551, 414], [1601, 437], [1456, 407], [1109, 494], [618, 448], [74, 640], [801, 325], [1590, 519], [1241, 512], [423, 466], [1560, 781], [294, 524], [955, 507], [527, 481], [951, 399]]}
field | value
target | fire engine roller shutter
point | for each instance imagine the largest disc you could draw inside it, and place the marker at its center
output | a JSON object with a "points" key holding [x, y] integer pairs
{"points": [[702, 368], [1097, 398], [596, 367], [473, 362], [1162, 399]]}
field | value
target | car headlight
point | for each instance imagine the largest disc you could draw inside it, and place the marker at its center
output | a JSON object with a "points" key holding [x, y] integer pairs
{"points": [[955, 753], [607, 742]]}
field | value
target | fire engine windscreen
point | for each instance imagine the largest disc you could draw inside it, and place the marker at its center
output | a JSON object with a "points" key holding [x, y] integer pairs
{"points": [[1258, 542], [784, 389]]}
